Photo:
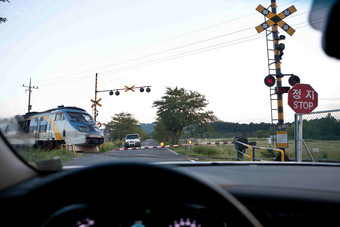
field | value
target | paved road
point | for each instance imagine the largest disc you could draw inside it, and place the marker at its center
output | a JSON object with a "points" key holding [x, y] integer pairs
{"points": [[144, 155]]}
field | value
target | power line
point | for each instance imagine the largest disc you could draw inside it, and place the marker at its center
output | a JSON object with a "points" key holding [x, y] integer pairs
{"points": [[196, 51], [165, 40], [157, 53], [188, 53], [179, 55], [185, 54]]}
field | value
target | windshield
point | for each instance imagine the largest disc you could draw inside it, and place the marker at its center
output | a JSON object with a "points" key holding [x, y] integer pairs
{"points": [[74, 116], [195, 80], [132, 137]]}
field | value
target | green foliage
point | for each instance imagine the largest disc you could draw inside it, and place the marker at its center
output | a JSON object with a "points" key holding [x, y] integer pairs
{"points": [[327, 128], [231, 129], [3, 19], [179, 109], [108, 146], [123, 124]]}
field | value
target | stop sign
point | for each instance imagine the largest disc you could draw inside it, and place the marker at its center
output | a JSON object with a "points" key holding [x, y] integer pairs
{"points": [[302, 98]]}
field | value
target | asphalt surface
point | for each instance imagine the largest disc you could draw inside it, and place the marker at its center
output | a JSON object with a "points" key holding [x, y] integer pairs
{"points": [[143, 155]]}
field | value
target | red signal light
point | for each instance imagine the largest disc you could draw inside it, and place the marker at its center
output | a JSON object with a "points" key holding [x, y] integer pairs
{"points": [[269, 80], [293, 80], [99, 124]]}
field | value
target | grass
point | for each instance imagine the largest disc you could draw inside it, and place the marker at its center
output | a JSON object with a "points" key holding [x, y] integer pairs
{"points": [[109, 146], [38, 155], [34, 155], [321, 150]]}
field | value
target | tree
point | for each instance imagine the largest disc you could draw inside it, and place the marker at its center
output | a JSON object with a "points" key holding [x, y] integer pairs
{"points": [[123, 124], [3, 19], [179, 109], [160, 131]]}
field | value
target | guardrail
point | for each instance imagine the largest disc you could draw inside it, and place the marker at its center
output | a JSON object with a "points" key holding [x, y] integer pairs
{"points": [[270, 149], [251, 154]]}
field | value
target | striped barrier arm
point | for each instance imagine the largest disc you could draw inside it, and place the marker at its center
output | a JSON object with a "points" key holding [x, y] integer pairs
{"points": [[172, 146]]}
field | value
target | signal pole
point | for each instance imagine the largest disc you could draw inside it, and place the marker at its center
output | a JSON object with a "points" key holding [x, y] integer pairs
{"points": [[274, 20], [278, 68], [30, 87], [95, 99]]}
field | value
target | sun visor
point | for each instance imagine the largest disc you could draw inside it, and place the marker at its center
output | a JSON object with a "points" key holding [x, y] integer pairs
{"points": [[325, 16], [319, 13], [330, 36]]}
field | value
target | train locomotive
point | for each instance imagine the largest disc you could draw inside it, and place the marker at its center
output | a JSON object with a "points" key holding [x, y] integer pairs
{"points": [[52, 128]]}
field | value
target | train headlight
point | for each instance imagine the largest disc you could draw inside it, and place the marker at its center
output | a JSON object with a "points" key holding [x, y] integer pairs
{"points": [[84, 128]]}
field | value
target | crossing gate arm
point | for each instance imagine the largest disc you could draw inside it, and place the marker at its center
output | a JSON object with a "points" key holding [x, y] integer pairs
{"points": [[172, 146], [271, 149]]}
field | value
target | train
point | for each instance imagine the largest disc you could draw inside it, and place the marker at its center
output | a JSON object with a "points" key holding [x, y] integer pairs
{"points": [[52, 128]]}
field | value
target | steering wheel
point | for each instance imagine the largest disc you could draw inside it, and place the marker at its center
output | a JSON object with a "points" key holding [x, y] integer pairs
{"points": [[121, 190]]}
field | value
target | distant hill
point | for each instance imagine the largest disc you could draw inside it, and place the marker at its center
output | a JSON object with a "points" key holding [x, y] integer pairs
{"points": [[148, 128]]}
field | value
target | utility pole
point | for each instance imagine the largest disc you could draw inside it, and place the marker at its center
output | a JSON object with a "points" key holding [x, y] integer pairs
{"points": [[95, 102], [30, 87]]}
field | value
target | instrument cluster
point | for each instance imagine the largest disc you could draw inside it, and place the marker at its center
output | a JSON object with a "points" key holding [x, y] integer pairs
{"points": [[88, 215]]}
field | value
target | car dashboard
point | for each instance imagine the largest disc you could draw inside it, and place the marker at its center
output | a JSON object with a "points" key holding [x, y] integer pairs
{"points": [[290, 194], [140, 195]]}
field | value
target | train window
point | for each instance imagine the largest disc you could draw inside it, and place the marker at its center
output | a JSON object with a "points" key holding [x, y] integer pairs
{"points": [[59, 117], [75, 116], [43, 128]]}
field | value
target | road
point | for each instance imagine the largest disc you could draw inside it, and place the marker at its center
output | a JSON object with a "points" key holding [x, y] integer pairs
{"points": [[143, 155]]}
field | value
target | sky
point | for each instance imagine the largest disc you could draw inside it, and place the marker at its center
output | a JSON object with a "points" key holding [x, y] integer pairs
{"points": [[208, 46]]}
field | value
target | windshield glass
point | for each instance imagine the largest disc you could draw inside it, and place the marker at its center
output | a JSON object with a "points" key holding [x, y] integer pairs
{"points": [[74, 116], [132, 137], [195, 80]]}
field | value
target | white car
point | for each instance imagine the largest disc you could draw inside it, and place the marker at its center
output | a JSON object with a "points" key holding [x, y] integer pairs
{"points": [[132, 140]]}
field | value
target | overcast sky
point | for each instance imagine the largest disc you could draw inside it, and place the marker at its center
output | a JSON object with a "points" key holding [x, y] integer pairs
{"points": [[208, 46]]}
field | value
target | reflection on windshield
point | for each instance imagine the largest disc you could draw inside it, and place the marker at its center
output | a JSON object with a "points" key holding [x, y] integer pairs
{"points": [[201, 107]]}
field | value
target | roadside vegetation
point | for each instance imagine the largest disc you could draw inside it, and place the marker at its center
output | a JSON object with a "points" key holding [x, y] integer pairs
{"points": [[327, 151], [38, 155], [109, 146]]}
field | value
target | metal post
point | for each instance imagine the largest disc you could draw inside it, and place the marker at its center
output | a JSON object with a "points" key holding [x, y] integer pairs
{"points": [[299, 150], [29, 97], [95, 99], [296, 136]]}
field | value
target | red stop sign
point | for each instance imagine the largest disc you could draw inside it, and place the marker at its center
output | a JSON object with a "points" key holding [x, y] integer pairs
{"points": [[302, 98]]}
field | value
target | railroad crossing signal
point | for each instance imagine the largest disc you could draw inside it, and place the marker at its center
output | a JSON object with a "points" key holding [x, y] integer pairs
{"points": [[275, 19], [129, 88], [96, 103]]}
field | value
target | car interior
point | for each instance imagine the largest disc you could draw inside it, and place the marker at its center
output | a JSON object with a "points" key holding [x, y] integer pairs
{"points": [[212, 193]]}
